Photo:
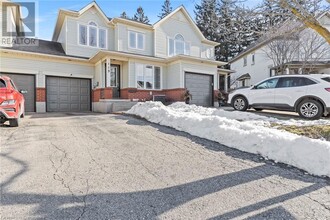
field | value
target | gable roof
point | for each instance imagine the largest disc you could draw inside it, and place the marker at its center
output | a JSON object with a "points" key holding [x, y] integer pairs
{"points": [[112, 21], [191, 21], [265, 39], [62, 13]]}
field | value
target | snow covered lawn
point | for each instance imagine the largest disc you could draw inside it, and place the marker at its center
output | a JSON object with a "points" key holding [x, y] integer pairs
{"points": [[244, 131]]}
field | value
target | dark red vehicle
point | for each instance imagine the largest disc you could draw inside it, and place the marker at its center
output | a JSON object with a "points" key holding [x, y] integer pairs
{"points": [[11, 102]]}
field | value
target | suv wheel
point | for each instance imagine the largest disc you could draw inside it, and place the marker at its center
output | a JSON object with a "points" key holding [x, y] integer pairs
{"points": [[240, 103], [310, 109]]}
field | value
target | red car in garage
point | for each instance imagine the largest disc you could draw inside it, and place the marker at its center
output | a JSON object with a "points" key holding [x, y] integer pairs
{"points": [[11, 102]]}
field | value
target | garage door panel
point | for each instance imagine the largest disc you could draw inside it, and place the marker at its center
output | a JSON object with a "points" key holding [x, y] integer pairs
{"points": [[25, 82], [200, 87], [69, 98]]}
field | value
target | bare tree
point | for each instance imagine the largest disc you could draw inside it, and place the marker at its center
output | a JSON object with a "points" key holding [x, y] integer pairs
{"points": [[313, 49], [306, 15], [305, 47]]}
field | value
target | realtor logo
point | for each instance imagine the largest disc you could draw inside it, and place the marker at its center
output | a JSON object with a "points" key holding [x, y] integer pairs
{"points": [[18, 19]]}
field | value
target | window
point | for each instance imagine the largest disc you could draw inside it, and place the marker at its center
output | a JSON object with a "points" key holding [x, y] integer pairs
{"points": [[136, 40], [148, 77], [2, 84], [287, 82], [157, 77], [326, 79], [92, 35], [113, 76], [102, 38], [178, 46], [268, 84], [209, 53], [245, 61], [82, 34], [253, 59]]}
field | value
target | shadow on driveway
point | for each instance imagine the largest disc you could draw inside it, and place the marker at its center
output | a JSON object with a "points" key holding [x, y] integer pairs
{"points": [[150, 204]]}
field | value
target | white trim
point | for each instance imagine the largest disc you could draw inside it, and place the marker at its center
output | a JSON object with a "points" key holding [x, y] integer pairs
{"points": [[153, 76], [185, 43], [136, 40], [98, 28]]}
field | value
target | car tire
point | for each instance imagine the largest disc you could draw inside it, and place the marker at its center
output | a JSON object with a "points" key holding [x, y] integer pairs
{"points": [[240, 103], [310, 109], [14, 122], [258, 109]]}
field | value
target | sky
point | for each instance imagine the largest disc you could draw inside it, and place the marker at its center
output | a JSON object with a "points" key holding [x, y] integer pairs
{"points": [[47, 10]]}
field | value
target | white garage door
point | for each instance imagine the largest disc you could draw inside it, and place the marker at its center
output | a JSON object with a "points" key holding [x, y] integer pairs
{"points": [[68, 94], [200, 87]]}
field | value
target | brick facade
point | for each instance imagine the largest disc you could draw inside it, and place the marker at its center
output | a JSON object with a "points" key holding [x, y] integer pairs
{"points": [[104, 93], [41, 94], [171, 95]]}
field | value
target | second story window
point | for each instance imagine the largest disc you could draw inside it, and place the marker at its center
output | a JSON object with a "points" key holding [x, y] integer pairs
{"points": [[253, 59], [92, 35], [136, 40], [178, 45], [244, 61]]}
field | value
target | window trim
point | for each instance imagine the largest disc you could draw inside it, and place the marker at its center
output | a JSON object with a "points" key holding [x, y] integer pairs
{"points": [[153, 77], [245, 61], [174, 46], [136, 33], [98, 27]]}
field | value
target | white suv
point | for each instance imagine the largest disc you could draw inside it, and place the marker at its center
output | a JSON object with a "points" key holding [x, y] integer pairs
{"points": [[309, 95]]}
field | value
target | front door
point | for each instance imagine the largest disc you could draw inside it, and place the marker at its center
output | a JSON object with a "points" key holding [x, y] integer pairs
{"points": [[115, 81]]}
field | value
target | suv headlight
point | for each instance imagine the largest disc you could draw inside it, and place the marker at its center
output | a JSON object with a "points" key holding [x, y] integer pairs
{"points": [[8, 102]]}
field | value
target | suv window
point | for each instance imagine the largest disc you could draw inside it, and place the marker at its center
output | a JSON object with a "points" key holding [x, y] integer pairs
{"points": [[326, 79], [2, 84], [287, 82], [268, 84]]}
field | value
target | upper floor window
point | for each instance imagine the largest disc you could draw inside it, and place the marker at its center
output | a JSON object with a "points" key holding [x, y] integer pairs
{"points": [[253, 59], [244, 61], [178, 45], [92, 35], [136, 40]]}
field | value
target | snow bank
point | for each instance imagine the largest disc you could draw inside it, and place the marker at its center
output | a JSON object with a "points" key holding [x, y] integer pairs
{"points": [[302, 152], [244, 116]]}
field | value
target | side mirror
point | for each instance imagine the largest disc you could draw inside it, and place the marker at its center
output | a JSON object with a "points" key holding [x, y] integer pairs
{"points": [[23, 91]]}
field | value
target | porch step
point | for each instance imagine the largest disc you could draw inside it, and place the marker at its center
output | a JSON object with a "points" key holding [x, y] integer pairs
{"points": [[113, 105]]}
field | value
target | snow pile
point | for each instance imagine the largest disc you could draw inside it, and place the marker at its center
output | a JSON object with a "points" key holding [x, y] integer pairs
{"points": [[302, 152], [244, 116]]}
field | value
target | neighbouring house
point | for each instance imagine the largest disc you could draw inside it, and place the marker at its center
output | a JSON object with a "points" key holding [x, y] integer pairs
{"points": [[300, 50], [93, 58]]}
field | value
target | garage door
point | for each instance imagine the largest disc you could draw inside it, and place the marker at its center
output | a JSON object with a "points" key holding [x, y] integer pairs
{"points": [[68, 94], [201, 88], [25, 82]]}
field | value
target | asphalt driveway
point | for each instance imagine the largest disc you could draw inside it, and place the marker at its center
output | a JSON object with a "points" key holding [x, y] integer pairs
{"points": [[77, 166]]}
